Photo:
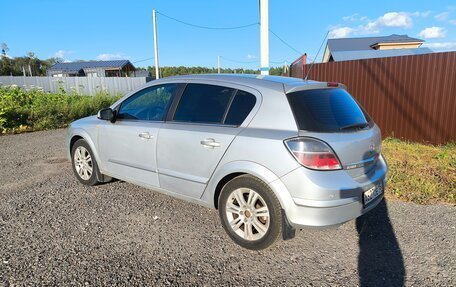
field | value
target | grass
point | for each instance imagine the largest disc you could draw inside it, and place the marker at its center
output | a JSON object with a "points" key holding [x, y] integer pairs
{"points": [[34, 110], [419, 173]]}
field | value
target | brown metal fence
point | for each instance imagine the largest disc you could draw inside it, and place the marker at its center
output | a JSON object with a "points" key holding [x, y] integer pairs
{"points": [[409, 97]]}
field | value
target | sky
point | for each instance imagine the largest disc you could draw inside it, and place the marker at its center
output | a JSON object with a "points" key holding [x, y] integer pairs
{"points": [[114, 29]]}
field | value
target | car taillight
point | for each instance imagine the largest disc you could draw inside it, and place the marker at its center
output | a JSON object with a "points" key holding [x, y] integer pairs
{"points": [[313, 153]]}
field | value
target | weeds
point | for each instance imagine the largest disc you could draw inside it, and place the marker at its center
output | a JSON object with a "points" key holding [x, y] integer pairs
{"points": [[32, 110], [421, 173]]}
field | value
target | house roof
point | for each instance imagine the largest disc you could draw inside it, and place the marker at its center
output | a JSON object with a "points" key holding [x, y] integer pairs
{"points": [[368, 54], [77, 66], [365, 43]]}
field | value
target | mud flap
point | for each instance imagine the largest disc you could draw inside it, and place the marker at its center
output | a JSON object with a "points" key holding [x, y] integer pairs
{"points": [[288, 231]]}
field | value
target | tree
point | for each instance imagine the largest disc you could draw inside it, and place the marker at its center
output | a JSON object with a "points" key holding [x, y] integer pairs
{"points": [[5, 49]]}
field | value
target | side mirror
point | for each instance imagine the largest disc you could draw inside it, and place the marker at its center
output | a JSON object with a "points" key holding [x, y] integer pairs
{"points": [[107, 115]]}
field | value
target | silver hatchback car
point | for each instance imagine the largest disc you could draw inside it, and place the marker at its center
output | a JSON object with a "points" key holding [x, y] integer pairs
{"points": [[272, 154]]}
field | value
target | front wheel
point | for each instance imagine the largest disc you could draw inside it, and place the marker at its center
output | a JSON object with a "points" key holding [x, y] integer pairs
{"points": [[250, 212], [84, 165]]}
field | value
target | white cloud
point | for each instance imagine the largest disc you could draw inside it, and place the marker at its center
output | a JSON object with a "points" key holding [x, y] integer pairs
{"points": [[432, 33], [442, 46], [453, 22], [341, 32], [395, 19], [390, 19], [421, 14], [353, 17], [62, 54], [442, 16], [109, 57], [249, 56]]}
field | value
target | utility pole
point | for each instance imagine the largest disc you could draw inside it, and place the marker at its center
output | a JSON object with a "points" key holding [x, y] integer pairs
{"points": [[285, 68], [264, 37], [154, 19], [218, 64]]}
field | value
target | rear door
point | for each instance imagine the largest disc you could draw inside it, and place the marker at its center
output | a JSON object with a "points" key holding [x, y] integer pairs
{"points": [[200, 129], [128, 146], [333, 116]]}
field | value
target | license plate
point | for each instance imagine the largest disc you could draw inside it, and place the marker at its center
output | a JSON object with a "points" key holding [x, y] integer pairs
{"points": [[373, 193]]}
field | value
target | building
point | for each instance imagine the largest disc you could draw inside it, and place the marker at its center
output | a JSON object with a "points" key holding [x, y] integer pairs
{"points": [[346, 49], [115, 68]]}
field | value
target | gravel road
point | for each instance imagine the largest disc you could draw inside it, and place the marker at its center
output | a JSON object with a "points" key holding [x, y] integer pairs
{"points": [[55, 231]]}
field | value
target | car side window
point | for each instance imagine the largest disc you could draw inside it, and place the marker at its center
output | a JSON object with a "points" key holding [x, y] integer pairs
{"points": [[240, 108], [149, 104], [202, 103]]}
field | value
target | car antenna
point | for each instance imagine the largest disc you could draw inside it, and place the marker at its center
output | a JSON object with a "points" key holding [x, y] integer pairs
{"points": [[313, 62]]}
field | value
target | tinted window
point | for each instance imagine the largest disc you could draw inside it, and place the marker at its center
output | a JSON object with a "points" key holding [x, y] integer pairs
{"points": [[149, 104], [203, 104], [326, 110], [240, 108]]}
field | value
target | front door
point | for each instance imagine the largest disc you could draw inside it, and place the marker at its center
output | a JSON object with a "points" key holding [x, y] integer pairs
{"points": [[128, 146]]}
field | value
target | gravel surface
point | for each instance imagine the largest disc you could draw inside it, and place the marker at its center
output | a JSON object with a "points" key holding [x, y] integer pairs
{"points": [[55, 231]]}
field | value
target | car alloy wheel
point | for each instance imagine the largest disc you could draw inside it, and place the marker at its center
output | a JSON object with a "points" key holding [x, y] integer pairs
{"points": [[83, 163], [248, 214]]}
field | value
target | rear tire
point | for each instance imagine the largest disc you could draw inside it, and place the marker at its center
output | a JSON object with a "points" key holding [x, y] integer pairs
{"points": [[84, 164], [250, 212]]}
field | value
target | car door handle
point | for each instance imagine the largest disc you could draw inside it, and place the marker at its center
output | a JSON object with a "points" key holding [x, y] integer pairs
{"points": [[210, 143], [145, 135]]}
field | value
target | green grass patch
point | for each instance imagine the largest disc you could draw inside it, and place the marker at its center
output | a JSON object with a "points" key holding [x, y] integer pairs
{"points": [[421, 173], [33, 110]]}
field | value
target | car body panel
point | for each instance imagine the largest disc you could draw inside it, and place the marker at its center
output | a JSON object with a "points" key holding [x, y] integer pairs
{"points": [[124, 152], [183, 159], [176, 163]]}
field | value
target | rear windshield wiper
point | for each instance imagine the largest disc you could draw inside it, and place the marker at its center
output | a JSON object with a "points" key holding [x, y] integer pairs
{"points": [[355, 126]]}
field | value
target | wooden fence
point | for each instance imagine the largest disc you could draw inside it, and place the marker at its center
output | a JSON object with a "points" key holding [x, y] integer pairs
{"points": [[409, 97]]}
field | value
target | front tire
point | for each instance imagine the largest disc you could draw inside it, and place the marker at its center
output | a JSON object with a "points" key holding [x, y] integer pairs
{"points": [[84, 164], [250, 212]]}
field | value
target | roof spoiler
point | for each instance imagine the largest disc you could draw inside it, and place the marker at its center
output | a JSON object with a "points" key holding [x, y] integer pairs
{"points": [[313, 86]]}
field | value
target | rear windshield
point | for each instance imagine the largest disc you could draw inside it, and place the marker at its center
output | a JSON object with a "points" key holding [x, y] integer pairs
{"points": [[326, 110]]}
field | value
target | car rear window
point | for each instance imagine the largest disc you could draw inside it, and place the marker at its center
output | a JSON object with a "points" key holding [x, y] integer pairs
{"points": [[326, 110]]}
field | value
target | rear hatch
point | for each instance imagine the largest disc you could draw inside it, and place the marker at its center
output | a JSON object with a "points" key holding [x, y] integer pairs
{"points": [[333, 116]]}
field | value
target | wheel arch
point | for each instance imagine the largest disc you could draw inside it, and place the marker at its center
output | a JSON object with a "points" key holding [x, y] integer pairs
{"points": [[77, 134], [231, 170]]}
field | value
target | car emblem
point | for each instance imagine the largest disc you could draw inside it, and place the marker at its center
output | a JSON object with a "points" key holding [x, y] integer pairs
{"points": [[372, 148]]}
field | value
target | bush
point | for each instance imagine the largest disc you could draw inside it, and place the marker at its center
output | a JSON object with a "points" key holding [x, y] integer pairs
{"points": [[22, 110]]}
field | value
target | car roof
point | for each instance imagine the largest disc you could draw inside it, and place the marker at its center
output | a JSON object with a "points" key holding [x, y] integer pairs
{"points": [[284, 84]]}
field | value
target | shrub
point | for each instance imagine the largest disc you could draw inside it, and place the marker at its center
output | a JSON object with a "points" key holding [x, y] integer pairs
{"points": [[22, 110]]}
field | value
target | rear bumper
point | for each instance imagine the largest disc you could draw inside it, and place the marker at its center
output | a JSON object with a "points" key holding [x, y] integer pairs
{"points": [[307, 216], [332, 202]]}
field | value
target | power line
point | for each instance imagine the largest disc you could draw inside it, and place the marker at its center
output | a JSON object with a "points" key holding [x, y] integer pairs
{"points": [[241, 62], [208, 27], [249, 62], [234, 28], [142, 60], [283, 41], [278, 62]]}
